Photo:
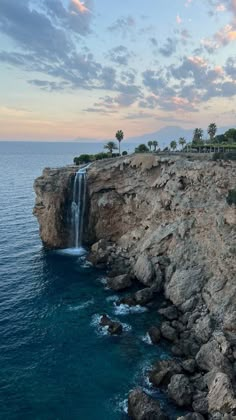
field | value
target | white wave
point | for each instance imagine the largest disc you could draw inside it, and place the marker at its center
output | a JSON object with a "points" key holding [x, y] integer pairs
{"points": [[86, 264], [123, 406], [113, 298], [82, 305], [124, 309], [103, 280], [146, 339]]}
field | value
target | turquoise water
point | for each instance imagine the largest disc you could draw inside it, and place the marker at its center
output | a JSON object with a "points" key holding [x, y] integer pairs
{"points": [[55, 362]]}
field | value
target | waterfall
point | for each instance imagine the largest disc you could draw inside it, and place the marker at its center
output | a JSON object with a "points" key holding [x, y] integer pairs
{"points": [[78, 206]]}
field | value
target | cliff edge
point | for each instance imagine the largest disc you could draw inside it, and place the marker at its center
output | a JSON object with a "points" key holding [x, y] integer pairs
{"points": [[169, 222]]}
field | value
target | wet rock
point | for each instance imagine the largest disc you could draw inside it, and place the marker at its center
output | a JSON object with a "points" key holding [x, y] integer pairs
{"points": [[180, 390], [128, 300], [221, 396], [169, 313], [119, 282], [143, 407], [168, 331], [144, 296], [162, 372], [154, 334], [100, 252], [189, 365], [191, 416], [144, 270], [114, 327]]}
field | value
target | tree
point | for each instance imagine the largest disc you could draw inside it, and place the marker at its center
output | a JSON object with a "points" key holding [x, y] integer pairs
{"points": [[155, 145], [110, 146], [197, 135], [150, 144], [212, 129], [230, 135], [182, 142], [119, 137], [142, 148], [173, 145]]}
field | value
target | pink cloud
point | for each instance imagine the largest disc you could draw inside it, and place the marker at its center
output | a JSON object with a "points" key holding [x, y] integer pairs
{"points": [[80, 6]]}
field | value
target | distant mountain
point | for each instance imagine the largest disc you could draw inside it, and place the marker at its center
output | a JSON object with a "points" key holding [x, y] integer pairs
{"points": [[166, 134]]}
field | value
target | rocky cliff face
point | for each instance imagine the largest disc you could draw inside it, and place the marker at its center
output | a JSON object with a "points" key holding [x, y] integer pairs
{"points": [[167, 221], [52, 205]]}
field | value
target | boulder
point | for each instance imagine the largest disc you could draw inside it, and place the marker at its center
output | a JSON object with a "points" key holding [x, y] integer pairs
{"points": [[221, 396], [200, 403], [162, 372], [184, 284], [144, 296], [168, 332], [169, 313], [154, 334], [119, 282], [213, 355], [142, 407], [203, 329], [114, 327], [189, 365], [180, 390], [144, 270]]}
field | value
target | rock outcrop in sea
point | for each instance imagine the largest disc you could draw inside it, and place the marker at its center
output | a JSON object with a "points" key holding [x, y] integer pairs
{"points": [[167, 223]]}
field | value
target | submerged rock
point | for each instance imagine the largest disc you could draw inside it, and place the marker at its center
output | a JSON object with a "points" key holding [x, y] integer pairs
{"points": [[154, 334], [143, 407], [114, 327]]}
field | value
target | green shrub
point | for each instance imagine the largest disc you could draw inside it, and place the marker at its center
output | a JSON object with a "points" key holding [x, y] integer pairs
{"points": [[124, 153], [142, 148], [102, 155], [83, 159], [231, 199], [224, 156]]}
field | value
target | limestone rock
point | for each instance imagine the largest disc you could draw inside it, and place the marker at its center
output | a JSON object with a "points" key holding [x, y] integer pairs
{"points": [[183, 285], [144, 270], [221, 397], [179, 389], [144, 296], [170, 312], [143, 407]]}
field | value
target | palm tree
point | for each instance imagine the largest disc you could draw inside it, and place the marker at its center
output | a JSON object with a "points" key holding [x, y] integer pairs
{"points": [[197, 135], [119, 137], [150, 144], [182, 142], [212, 129], [173, 145], [110, 146], [155, 145]]}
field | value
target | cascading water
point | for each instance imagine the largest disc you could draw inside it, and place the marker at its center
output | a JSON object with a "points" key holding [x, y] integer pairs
{"points": [[78, 207]]}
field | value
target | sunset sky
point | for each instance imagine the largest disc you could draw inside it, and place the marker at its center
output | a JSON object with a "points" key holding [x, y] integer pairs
{"points": [[86, 69]]}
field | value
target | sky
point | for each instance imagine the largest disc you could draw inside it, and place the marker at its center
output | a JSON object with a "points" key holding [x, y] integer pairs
{"points": [[73, 69]]}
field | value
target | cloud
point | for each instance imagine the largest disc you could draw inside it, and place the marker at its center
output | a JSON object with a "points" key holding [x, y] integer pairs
{"points": [[119, 55], [169, 47], [123, 25], [178, 20]]}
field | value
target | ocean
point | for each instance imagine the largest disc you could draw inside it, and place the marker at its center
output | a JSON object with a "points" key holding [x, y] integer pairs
{"points": [[55, 361]]}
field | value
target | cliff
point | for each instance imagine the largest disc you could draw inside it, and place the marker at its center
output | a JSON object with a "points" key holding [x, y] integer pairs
{"points": [[169, 223]]}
